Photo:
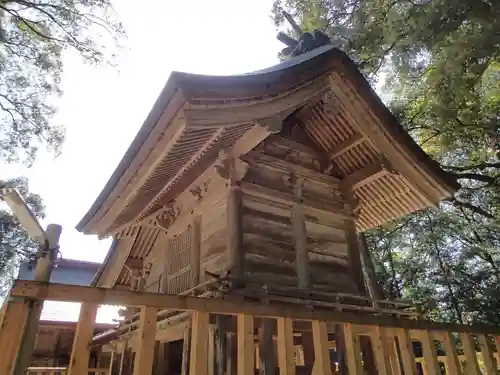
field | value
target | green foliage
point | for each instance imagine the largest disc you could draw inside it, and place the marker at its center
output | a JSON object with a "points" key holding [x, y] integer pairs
{"points": [[441, 64], [15, 244], [33, 37]]}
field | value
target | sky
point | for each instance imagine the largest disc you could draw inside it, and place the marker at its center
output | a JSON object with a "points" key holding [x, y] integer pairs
{"points": [[103, 107]]}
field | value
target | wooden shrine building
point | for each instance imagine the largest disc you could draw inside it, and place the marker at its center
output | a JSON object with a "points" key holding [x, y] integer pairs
{"points": [[255, 187]]}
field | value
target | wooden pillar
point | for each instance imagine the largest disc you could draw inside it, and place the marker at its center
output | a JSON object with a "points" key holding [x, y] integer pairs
{"points": [[300, 236], [322, 361], [353, 350], [406, 349], [234, 233], [471, 364], [374, 290], [246, 348], [199, 344], [452, 363], [286, 360], [429, 352], [220, 329], [354, 255], [162, 361], [488, 358], [144, 355], [186, 345], [42, 273], [80, 352], [267, 350], [195, 251], [380, 351], [14, 319]]}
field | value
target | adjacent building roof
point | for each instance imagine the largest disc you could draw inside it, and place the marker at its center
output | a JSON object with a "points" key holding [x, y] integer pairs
{"points": [[197, 116]]}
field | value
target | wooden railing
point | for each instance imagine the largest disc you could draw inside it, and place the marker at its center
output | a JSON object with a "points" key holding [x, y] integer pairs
{"points": [[62, 371], [391, 338]]}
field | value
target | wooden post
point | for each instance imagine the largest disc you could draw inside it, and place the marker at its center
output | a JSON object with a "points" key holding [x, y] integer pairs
{"points": [[353, 350], [11, 329], [374, 290], [144, 355], [234, 233], [322, 361], [220, 344], [199, 344], [246, 349], [300, 236], [407, 354], [452, 362], [286, 361], [354, 255], [80, 352], [195, 251], [488, 359], [430, 354], [211, 350], [186, 345], [42, 273], [267, 351], [471, 364], [380, 351]]}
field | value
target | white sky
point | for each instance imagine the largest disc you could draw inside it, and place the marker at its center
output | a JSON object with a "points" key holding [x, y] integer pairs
{"points": [[103, 107]]}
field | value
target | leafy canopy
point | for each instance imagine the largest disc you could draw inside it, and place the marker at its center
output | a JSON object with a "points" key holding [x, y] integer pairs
{"points": [[440, 60], [34, 34]]}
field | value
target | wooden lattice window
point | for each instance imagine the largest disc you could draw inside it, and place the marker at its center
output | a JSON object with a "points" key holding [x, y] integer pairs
{"points": [[178, 262]]}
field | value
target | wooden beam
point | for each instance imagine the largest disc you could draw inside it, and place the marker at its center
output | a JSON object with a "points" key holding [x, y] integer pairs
{"points": [[246, 347], [286, 361], [144, 355], [14, 319], [76, 293], [234, 232], [347, 144], [380, 351], [363, 176], [300, 236], [199, 344], [79, 362]]}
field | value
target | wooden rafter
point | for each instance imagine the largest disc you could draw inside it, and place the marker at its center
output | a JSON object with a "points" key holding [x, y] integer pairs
{"points": [[194, 158], [365, 175], [347, 145]]}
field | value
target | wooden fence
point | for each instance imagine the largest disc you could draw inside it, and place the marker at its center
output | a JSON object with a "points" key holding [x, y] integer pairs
{"points": [[390, 337]]}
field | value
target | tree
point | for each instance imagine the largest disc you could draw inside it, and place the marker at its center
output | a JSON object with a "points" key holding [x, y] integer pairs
{"points": [[34, 34], [441, 63], [15, 244]]}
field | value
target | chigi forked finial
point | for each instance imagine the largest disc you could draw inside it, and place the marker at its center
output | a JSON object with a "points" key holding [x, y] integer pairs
{"points": [[307, 41]]}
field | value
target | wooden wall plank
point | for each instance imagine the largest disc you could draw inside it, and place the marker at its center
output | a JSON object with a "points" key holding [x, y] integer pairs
{"points": [[322, 360], [199, 344], [246, 347], [144, 355], [286, 361], [79, 362]]}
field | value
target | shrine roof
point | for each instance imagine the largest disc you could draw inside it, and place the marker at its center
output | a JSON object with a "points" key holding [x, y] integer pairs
{"points": [[197, 116]]}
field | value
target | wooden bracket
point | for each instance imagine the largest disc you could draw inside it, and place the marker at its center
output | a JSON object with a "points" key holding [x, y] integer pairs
{"points": [[230, 168], [168, 215]]}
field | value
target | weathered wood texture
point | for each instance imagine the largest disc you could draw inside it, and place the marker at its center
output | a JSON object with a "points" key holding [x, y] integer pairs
{"points": [[269, 239]]}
